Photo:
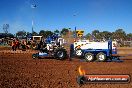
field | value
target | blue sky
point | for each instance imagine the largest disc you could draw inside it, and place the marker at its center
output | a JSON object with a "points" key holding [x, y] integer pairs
{"points": [[104, 15]]}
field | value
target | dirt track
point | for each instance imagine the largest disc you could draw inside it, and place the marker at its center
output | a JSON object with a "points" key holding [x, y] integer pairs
{"points": [[20, 70]]}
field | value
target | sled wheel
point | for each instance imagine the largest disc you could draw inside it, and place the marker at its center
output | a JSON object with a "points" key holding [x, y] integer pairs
{"points": [[101, 56], [89, 57]]}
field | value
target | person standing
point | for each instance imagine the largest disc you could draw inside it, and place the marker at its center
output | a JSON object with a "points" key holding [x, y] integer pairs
{"points": [[14, 45], [23, 45], [17, 44]]}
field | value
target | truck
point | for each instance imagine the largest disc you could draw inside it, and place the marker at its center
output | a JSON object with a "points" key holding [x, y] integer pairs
{"points": [[95, 51]]}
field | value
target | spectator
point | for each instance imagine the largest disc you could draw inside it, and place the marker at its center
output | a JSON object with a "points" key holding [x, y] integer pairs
{"points": [[13, 45], [23, 45], [17, 44]]}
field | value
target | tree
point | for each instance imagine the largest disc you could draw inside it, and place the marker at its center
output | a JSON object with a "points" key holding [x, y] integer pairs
{"points": [[10, 35], [56, 31], [119, 34], [42, 33], [34, 33], [48, 33], [21, 34], [45, 33], [3, 35], [88, 35], [99, 36], [129, 37], [106, 35], [5, 28], [64, 31], [95, 34]]}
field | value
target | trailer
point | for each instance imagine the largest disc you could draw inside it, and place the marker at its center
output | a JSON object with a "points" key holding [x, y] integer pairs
{"points": [[95, 51]]}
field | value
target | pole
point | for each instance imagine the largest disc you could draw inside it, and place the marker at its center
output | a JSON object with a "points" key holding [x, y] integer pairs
{"points": [[32, 26], [75, 33], [33, 6]]}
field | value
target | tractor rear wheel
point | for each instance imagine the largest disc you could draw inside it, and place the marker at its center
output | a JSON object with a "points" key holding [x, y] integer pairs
{"points": [[101, 56], [60, 54], [89, 57]]}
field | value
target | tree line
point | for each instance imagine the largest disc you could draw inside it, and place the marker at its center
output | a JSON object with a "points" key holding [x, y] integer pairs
{"points": [[44, 33], [118, 34]]}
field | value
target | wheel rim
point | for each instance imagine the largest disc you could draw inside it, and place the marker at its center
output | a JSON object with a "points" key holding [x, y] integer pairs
{"points": [[34, 56], [60, 54], [78, 52], [101, 57], [89, 57]]}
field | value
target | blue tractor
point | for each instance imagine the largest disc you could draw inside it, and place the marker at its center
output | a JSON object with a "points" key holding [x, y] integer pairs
{"points": [[50, 47]]}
